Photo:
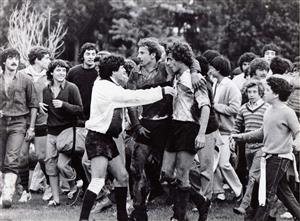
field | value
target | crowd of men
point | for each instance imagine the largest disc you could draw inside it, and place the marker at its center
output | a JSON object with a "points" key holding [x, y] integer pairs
{"points": [[164, 122]]}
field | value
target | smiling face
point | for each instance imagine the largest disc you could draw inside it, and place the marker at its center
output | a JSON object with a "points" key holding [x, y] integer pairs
{"points": [[59, 74], [89, 58], [12, 63]]}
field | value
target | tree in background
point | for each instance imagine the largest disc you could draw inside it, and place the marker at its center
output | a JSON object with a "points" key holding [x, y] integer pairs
{"points": [[230, 26], [29, 28]]}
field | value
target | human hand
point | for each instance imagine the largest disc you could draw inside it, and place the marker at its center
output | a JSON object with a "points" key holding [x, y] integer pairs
{"points": [[169, 90], [1, 113], [29, 134], [57, 103], [197, 80], [200, 141], [43, 107], [143, 132]]}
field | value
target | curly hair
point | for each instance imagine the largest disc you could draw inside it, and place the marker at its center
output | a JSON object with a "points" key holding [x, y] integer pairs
{"points": [[152, 45], [246, 57], [37, 52], [258, 64], [53, 64], [7, 53], [222, 64], [86, 46], [253, 83], [109, 64], [270, 47], [281, 87], [182, 52], [280, 65]]}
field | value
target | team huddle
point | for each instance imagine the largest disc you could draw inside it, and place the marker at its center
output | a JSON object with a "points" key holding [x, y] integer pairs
{"points": [[165, 122]]}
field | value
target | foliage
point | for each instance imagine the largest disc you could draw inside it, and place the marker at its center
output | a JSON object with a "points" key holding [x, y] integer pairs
{"points": [[28, 28], [230, 26]]}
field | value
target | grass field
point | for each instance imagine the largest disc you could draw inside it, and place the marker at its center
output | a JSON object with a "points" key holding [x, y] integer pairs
{"points": [[37, 210]]}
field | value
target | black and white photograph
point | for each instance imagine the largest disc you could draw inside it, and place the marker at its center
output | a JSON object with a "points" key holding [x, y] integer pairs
{"points": [[149, 110]]}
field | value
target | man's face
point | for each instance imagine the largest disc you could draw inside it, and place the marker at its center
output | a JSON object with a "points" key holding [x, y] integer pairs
{"points": [[144, 56], [89, 57], [213, 72], [44, 62], [253, 94], [12, 63], [269, 54], [269, 95], [121, 76], [245, 66], [172, 63], [59, 74], [260, 74]]}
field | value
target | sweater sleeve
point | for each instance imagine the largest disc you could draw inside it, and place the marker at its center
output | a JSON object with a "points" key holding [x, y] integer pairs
{"points": [[74, 106], [128, 98], [239, 122], [255, 136]]}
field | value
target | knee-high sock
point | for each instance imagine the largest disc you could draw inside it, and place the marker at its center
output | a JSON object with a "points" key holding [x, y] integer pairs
{"points": [[43, 168], [24, 176], [121, 195], [90, 196]]}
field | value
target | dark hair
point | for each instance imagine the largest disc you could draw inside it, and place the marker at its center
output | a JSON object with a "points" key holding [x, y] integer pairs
{"points": [[129, 65], [253, 83], [181, 52], [281, 87], [86, 46], [152, 45], [109, 64], [271, 47], [246, 57], [210, 55], [53, 64], [258, 64], [37, 52], [204, 65], [280, 65], [222, 65], [6, 53]]}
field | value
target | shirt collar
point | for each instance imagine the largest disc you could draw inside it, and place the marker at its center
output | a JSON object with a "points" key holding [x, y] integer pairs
{"points": [[255, 104], [141, 69]]}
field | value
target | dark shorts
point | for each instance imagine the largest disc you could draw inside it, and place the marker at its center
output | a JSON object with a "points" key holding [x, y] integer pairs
{"points": [[159, 132], [41, 130], [182, 137], [98, 144]]}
